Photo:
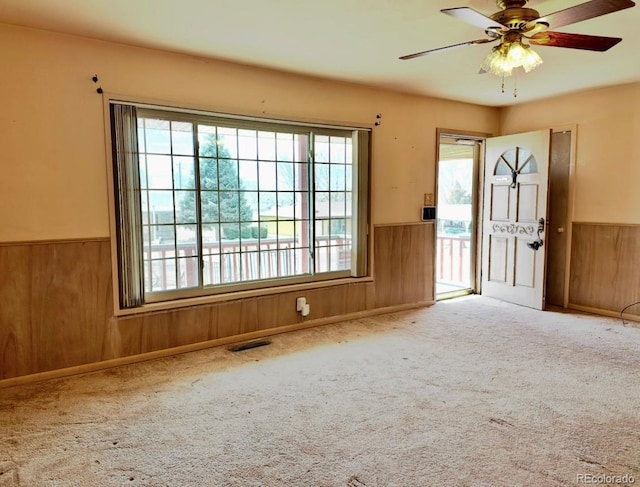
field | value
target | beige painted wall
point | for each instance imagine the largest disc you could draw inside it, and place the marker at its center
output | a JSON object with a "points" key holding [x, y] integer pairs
{"points": [[51, 124], [608, 147]]}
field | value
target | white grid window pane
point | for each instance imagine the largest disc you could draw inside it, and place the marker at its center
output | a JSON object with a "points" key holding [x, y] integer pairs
{"points": [[332, 203], [184, 172], [337, 178], [227, 140], [159, 172], [187, 272], [322, 182], [337, 150], [321, 148], [248, 174], [341, 257], [243, 204], [267, 176], [182, 138], [267, 146], [247, 144], [157, 135]]}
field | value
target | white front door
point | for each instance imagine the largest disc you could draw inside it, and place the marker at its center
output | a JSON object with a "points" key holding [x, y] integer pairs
{"points": [[514, 217]]}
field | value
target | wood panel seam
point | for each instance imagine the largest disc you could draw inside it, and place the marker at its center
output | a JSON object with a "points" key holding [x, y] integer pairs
{"points": [[55, 241]]}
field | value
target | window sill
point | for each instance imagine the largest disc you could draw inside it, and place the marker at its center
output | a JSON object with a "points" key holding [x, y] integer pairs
{"points": [[234, 296]]}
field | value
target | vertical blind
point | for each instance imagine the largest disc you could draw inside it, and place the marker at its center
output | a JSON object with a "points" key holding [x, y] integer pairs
{"points": [[128, 212]]}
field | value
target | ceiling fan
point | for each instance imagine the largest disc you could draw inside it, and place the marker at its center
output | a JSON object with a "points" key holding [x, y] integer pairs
{"points": [[515, 23]]}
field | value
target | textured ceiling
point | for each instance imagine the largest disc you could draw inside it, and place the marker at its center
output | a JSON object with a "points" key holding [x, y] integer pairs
{"points": [[351, 40]]}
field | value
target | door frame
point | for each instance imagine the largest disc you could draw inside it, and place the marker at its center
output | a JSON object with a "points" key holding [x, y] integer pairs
{"points": [[477, 199], [573, 128]]}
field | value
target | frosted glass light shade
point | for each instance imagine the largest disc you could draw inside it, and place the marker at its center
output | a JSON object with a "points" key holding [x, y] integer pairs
{"points": [[531, 59], [497, 62], [502, 59]]}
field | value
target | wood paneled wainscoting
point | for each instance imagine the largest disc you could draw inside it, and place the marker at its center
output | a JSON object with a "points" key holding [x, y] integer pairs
{"points": [[605, 268], [56, 309]]}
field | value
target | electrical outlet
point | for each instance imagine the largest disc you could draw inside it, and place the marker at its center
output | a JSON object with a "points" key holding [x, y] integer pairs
{"points": [[301, 303]]}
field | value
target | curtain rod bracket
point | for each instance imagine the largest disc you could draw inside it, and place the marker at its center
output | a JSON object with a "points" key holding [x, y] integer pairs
{"points": [[94, 78]]}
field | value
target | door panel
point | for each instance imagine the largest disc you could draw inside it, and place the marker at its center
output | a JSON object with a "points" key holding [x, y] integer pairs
{"points": [[516, 185], [500, 203], [498, 259], [525, 265], [528, 203]]}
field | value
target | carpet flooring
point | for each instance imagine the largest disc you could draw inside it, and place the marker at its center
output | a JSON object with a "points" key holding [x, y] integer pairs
{"points": [[469, 392]]}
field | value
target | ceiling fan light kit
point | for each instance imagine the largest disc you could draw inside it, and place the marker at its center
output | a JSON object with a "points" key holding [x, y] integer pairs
{"points": [[514, 24], [506, 57]]}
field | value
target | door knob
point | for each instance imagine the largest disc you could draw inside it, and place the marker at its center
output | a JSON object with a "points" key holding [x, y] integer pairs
{"points": [[560, 230], [536, 244]]}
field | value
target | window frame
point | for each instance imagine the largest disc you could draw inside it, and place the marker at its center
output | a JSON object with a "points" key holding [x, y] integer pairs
{"points": [[361, 137]]}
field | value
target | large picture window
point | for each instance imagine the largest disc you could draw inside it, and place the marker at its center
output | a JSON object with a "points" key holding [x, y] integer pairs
{"points": [[209, 204]]}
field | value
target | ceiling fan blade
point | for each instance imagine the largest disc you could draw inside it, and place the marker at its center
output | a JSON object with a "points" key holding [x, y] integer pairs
{"points": [[453, 46], [574, 41], [584, 11], [472, 17]]}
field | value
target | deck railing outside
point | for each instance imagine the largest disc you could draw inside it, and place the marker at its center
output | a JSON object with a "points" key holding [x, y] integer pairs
{"points": [[453, 264], [169, 266]]}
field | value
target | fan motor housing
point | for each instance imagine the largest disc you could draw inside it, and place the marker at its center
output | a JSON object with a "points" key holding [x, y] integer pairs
{"points": [[515, 17], [504, 4]]}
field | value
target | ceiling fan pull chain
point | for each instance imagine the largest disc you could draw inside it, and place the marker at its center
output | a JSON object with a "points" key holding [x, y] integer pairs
{"points": [[515, 84], [503, 83]]}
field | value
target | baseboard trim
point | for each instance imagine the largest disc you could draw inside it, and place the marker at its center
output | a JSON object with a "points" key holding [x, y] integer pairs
{"points": [[604, 312], [132, 359]]}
